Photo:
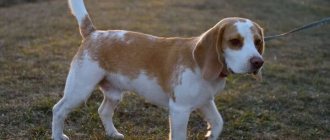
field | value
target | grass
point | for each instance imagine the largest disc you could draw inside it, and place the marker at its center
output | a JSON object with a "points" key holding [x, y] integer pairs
{"points": [[38, 41], [6, 3]]}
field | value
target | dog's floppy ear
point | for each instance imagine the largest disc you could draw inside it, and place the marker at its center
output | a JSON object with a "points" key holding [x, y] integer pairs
{"points": [[208, 53], [261, 49], [260, 30]]}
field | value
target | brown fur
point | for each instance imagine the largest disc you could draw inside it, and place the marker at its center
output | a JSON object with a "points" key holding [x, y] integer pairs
{"points": [[161, 58], [258, 37], [87, 27], [208, 52]]}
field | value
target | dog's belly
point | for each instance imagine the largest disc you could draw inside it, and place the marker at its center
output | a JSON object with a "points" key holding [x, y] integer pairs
{"points": [[143, 85]]}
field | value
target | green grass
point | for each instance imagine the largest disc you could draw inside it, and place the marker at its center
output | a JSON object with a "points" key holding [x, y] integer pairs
{"points": [[38, 41]]}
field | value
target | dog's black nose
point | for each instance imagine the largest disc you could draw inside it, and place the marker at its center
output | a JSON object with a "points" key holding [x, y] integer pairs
{"points": [[256, 62]]}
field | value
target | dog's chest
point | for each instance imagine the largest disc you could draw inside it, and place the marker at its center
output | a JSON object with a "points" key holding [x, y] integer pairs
{"points": [[194, 91]]}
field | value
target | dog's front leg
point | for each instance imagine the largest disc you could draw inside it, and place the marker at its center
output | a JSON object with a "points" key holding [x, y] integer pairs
{"points": [[179, 116], [214, 119]]}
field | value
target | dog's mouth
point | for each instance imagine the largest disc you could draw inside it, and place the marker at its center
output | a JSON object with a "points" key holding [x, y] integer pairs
{"points": [[255, 72], [229, 71]]}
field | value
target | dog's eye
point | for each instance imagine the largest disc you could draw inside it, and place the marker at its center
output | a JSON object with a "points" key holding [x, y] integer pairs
{"points": [[257, 42], [235, 42]]}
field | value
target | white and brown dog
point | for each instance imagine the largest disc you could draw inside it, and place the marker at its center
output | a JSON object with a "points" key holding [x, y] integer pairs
{"points": [[181, 74]]}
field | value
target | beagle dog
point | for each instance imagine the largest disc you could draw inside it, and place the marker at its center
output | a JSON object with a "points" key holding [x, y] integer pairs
{"points": [[181, 74]]}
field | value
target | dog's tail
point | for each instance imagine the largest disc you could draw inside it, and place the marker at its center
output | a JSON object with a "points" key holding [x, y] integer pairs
{"points": [[78, 9]]}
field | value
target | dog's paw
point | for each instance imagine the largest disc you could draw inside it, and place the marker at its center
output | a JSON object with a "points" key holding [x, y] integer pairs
{"points": [[63, 137], [117, 136], [209, 136]]}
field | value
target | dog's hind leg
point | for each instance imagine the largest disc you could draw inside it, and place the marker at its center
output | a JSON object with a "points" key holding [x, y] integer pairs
{"points": [[112, 97], [84, 75]]}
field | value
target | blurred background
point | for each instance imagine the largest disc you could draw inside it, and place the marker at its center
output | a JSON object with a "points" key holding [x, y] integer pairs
{"points": [[38, 39]]}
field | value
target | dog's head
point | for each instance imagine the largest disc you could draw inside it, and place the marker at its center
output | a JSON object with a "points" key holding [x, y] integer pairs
{"points": [[234, 45]]}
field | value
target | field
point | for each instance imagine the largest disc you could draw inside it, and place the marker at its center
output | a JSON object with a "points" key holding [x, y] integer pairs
{"points": [[38, 40]]}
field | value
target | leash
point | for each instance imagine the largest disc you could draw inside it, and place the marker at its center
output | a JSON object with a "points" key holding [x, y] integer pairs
{"points": [[307, 26]]}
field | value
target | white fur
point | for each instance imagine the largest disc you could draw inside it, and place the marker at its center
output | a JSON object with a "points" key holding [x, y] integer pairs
{"points": [[83, 76], [193, 93], [152, 38], [191, 86], [196, 88], [78, 9], [239, 60], [119, 34], [143, 85], [98, 34]]}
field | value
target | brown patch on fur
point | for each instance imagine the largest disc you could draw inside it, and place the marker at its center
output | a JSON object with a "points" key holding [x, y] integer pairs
{"points": [[86, 27], [258, 33], [236, 42], [232, 38], [158, 57], [209, 50]]}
